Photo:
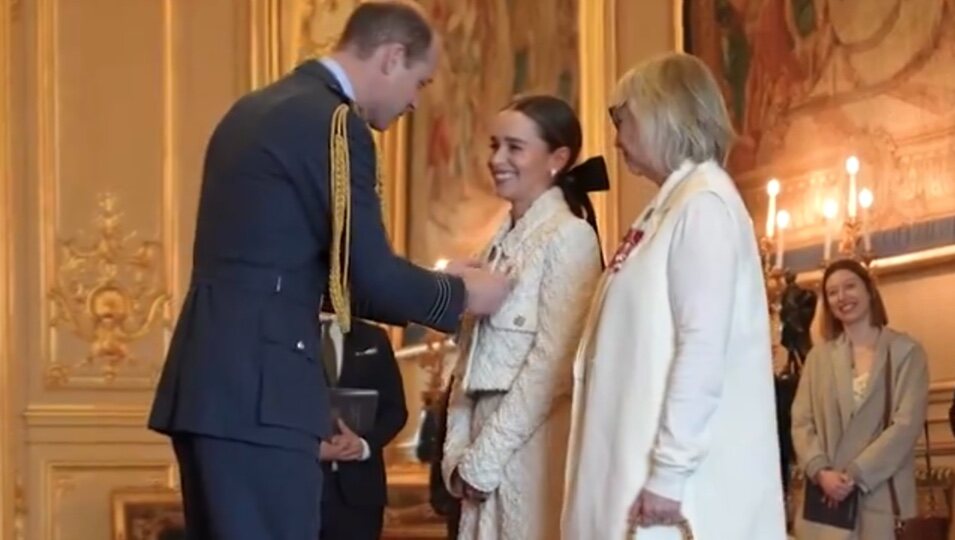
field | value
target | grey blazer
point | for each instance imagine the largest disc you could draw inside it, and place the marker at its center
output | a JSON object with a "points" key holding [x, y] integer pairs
{"points": [[829, 431]]}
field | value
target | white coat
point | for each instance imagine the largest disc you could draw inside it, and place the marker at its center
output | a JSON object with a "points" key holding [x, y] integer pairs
{"points": [[509, 411], [673, 379]]}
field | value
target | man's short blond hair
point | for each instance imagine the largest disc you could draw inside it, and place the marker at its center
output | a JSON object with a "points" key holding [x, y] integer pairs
{"points": [[679, 109]]}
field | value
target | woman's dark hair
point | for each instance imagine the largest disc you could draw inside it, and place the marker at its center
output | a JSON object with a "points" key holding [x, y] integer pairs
{"points": [[558, 126], [831, 326]]}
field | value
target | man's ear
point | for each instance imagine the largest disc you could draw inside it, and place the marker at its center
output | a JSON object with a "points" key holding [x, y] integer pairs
{"points": [[392, 57]]}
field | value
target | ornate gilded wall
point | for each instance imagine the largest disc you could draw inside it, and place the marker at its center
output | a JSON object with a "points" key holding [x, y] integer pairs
{"points": [[110, 105], [106, 109]]}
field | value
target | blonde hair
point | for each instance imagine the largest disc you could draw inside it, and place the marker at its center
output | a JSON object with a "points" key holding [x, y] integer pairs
{"points": [[679, 110]]}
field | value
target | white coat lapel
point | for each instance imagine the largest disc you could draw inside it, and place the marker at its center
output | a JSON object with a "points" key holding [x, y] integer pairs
{"points": [[524, 228], [653, 215]]}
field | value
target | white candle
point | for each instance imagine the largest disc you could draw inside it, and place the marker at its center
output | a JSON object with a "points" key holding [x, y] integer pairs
{"points": [[829, 209], [865, 201], [782, 222], [772, 188], [852, 168]]}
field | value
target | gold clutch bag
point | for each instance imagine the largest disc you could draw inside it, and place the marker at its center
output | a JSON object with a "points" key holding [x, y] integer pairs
{"points": [[686, 532]]}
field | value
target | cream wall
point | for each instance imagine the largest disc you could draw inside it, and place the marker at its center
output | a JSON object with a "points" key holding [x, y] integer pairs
{"points": [[106, 96], [643, 30]]}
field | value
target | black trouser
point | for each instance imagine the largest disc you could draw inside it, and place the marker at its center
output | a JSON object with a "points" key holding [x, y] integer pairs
{"points": [[234, 490]]}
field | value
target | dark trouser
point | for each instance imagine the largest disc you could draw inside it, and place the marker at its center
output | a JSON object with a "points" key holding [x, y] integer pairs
{"points": [[342, 522], [233, 490], [454, 521]]}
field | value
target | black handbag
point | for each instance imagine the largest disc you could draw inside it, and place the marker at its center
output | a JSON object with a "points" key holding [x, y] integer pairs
{"points": [[934, 524], [817, 510]]}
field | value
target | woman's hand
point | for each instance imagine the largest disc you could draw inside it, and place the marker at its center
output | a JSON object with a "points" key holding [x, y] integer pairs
{"points": [[650, 509], [837, 486], [469, 492], [472, 494]]}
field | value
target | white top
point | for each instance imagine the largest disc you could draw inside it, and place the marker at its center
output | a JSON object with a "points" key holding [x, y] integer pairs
{"points": [[701, 301], [859, 385]]}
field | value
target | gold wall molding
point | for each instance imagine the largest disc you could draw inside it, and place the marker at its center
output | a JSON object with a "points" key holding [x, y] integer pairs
{"points": [[108, 343], [8, 492], [264, 42], [19, 509], [85, 415], [598, 61], [60, 477], [170, 187], [143, 513], [109, 292]]}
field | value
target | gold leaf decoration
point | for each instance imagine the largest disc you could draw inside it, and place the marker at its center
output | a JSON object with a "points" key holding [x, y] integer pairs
{"points": [[109, 292]]}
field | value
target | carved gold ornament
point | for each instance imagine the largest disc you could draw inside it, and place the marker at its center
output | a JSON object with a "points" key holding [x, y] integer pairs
{"points": [[108, 292]]}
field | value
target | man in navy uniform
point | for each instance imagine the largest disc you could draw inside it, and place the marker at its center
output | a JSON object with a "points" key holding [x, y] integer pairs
{"points": [[356, 491], [289, 210]]}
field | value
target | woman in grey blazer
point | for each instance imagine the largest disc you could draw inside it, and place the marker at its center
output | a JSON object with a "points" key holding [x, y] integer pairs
{"points": [[838, 414]]}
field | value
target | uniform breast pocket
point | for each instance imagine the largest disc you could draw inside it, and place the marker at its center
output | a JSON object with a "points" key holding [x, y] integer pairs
{"points": [[293, 389]]}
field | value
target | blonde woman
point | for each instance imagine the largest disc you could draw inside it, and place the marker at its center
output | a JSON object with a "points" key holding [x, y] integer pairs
{"points": [[838, 416], [674, 411]]}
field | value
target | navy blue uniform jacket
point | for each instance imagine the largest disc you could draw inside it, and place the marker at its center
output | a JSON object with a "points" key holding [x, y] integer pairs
{"points": [[243, 361]]}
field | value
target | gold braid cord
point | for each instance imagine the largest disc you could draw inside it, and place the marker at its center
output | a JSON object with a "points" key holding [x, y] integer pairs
{"points": [[340, 182], [379, 186]]}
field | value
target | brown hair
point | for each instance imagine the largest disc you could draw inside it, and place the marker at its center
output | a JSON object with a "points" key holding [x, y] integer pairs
{"points": [[556, 122], [831, 326], [374, 24]]}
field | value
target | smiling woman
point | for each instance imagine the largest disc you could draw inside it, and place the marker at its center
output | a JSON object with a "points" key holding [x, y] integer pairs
{"points": [[865, 378], [508, 414]]}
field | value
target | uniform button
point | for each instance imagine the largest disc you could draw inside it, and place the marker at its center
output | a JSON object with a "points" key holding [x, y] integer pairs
{"points": [[300, 345], [519, 320]]}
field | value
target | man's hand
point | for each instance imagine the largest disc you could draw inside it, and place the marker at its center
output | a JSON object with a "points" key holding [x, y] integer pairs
{"points": [[486, 290], [347, 443], [650, 509], [459, 266], [328, 451]]}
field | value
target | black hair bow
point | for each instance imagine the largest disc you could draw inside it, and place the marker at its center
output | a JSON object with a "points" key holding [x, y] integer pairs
{"points": [[578, 182]]}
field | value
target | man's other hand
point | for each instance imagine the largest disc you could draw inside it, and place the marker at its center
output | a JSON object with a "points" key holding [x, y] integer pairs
{"points": [[486, 290]]}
